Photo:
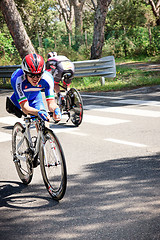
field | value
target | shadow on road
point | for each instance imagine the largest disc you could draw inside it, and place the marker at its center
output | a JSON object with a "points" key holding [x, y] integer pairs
{"points": [[19, 196], [113, 200]]}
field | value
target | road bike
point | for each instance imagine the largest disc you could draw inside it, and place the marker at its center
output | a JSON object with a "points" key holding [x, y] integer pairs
{"points": [[71, 103], [32, 146]]}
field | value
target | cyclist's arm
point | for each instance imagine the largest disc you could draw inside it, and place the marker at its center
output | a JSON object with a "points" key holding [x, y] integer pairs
{"points": [[50, 98], [27, 109], [52, 106]]}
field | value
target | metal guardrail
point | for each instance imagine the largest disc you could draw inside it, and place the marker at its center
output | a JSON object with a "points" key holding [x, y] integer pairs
{"points": [[104, 67]]}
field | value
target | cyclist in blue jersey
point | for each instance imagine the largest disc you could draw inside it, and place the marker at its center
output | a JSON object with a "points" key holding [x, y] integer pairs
{"points": [[27, 84]]}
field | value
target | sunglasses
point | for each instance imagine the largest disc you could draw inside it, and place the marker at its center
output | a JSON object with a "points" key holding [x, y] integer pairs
{"points": [[32, 75]]}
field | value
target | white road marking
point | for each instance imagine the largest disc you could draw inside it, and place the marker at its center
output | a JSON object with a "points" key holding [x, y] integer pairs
{"points": [[57, 129], [70, 130], [4, 137], [78, 133], [102, 120], [138, 102], [97, 96], [86, 118], [123, 110], [125, 142], [10, 120]]}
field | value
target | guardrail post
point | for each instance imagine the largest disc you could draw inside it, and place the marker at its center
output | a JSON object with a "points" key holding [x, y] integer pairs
{"points": [[102, 81], [4, 80]]}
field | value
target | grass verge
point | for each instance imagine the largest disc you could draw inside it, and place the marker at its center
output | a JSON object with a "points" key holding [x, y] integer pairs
{"points": [[126, 78]]}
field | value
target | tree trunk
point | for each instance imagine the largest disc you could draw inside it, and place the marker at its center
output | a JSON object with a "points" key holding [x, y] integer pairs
{"points": [[150, 35], [67, 12], [99, 23], [16, 27], [156, 10], [78, 7]]}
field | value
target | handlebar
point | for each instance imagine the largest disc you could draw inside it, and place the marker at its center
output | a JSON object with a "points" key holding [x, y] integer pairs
{"points": [[33, 118]]}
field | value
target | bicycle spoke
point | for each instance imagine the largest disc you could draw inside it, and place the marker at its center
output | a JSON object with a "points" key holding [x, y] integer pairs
{"points": [[53, 166], [20, 152]]}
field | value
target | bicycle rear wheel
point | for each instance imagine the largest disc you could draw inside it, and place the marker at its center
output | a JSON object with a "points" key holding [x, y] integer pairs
{"points": [[75, 106], [20, 148], [53, 166]]}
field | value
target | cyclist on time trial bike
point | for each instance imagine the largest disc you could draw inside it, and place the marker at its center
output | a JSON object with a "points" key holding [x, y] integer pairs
{"points": [[58, 66], [27, 84]]}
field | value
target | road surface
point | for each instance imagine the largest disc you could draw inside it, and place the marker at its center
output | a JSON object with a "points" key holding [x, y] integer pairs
{"points": [[113, 166]]}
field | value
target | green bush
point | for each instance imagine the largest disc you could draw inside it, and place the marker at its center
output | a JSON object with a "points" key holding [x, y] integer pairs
{"points": [[8, 52]]}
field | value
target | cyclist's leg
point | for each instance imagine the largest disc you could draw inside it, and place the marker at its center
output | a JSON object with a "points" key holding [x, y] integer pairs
{"points": [[56, 87], [59, 97], [67, 83]]}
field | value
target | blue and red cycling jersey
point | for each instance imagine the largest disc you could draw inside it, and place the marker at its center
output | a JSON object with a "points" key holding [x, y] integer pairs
{"points": [[24, 91]]}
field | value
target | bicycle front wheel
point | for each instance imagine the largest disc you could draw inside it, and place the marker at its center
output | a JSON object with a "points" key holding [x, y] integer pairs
{"points": [[20, 148], [53, 166], [75, 106]]}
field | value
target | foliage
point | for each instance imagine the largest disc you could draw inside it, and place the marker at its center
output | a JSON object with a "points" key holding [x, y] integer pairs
{"points": [[130, 31], [8, 52], [126, 14], [134, 43]]}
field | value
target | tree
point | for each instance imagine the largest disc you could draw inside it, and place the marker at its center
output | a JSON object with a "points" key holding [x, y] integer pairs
{"points": [[67, 11], [78, 7], [16, 27], [39, 19], [125, 19], [101, 10], [156, 10], [70, 9]]}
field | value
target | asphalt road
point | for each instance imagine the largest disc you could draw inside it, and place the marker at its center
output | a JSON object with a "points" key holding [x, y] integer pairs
{"points": [[113, 169]]}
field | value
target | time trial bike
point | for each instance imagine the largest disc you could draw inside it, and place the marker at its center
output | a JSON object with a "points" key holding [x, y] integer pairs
{"points": [[32, 147], [70, 103]]}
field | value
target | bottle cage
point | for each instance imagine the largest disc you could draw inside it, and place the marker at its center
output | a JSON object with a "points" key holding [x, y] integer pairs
{"points": [[12, 108]]}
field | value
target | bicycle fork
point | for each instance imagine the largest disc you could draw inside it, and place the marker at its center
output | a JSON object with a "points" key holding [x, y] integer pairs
{"points": [[47, 163]]}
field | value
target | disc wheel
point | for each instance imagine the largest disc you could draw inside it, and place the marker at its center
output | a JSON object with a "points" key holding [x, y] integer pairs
{"points": [[53, 166], [75, 106], [20, 148]]}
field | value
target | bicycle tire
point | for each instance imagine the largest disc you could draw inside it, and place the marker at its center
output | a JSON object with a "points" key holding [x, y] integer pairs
{"points": [[53, 166], [75, 106], [20, 145]]}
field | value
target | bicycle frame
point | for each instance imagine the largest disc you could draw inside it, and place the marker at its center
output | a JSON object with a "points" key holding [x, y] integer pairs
{"points": [[40, 127]]}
